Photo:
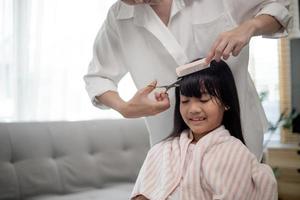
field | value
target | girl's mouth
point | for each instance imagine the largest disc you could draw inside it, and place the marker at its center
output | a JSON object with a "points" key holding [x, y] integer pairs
{"points": [[197, 119]]}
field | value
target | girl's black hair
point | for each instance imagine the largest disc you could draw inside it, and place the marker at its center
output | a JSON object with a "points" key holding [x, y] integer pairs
{"points": [[216, 80]]}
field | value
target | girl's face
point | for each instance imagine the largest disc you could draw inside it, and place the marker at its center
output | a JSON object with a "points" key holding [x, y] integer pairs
{"points": [[201, 115]]}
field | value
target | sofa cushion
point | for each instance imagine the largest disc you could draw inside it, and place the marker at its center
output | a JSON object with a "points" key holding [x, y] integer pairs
{"points": [[113, 192], [38, 158]]}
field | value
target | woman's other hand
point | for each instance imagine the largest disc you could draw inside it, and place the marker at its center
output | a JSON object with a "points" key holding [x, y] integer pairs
{"points": [[140, 105], [232, 42]]}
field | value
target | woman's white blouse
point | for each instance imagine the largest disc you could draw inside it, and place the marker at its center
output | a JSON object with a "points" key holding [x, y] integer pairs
{"points": [[133, 39]]}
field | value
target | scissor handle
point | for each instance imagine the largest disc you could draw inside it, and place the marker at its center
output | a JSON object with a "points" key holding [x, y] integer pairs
{"points": [[175, 84]]}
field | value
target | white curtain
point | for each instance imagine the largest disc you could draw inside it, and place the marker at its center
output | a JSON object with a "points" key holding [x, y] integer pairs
{"points": [[45, 48], [7, 69], [52, 42]]}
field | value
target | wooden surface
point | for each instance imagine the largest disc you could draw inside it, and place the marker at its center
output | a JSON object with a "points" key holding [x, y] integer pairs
{"points": [[285, 88], [285, 161]]}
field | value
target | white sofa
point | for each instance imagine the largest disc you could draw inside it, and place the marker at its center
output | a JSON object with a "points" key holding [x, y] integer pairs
{"points": [[83, 160]]}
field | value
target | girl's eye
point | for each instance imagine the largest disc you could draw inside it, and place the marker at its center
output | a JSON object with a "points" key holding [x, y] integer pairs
{"points": [[204, 100], [184, 101]]}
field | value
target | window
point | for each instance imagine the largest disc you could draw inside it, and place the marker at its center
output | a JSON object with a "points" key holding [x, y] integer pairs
{"points": [[263, 68]]}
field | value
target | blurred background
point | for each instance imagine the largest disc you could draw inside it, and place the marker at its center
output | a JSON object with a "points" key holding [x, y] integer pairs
{"points": [[46, 46]]}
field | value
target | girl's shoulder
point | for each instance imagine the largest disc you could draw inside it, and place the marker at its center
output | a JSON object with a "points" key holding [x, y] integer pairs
{"points": [[229, 145], [161, 145]]}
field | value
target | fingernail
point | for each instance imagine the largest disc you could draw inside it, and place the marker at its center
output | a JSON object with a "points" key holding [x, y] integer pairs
{"points": [[152, 84], [206, 61]]}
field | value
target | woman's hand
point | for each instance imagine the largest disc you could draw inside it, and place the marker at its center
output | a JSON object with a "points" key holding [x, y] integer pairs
{"points": [[161, 96], [141, 105], [231, 42]]}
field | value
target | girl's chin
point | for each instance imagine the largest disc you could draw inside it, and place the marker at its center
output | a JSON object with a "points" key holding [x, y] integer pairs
{"points": [[199, 131]]}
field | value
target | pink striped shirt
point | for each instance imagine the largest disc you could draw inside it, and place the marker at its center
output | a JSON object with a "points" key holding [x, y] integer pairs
{"points": [[221, 167]]}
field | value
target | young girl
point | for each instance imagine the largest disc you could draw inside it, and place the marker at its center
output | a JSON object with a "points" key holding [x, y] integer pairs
{"points": [[205, 156]]}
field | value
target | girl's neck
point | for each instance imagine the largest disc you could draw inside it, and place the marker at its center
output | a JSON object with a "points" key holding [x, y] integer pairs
{"points": [[197, 137]]}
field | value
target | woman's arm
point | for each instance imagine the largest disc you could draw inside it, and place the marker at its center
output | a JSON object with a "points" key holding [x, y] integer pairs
{"points": [[107, 68]]}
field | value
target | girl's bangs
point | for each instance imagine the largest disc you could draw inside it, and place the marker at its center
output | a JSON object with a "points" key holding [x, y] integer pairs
{"points": [[199, 83]]}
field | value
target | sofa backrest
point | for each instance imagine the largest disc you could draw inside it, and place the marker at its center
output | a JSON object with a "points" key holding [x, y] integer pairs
{"points": [[64, 157]]}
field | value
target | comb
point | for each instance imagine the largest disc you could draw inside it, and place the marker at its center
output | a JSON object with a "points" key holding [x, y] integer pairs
{"points": [[191, 67]]}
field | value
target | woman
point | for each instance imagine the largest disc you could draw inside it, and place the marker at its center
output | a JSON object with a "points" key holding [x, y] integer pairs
{"points": [[150, 41]]}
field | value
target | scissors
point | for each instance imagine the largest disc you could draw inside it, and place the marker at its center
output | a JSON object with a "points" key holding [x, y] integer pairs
{"points": [[167, 87]]}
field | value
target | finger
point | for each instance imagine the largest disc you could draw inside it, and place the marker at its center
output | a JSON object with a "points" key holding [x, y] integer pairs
{"points": [[227, 51], [211, 53], [163, 105], [164, 95], [209, 57], [219, 50], [207, 61], [157, 96], [237, 49], [149, 88]]}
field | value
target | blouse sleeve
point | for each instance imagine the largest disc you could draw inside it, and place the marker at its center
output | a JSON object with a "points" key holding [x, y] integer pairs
{"points": [[231, 172], [242, 10], [107, 65]]}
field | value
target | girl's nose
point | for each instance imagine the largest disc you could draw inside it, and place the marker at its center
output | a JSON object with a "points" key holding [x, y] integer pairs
{"points": [[195, 109]]}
